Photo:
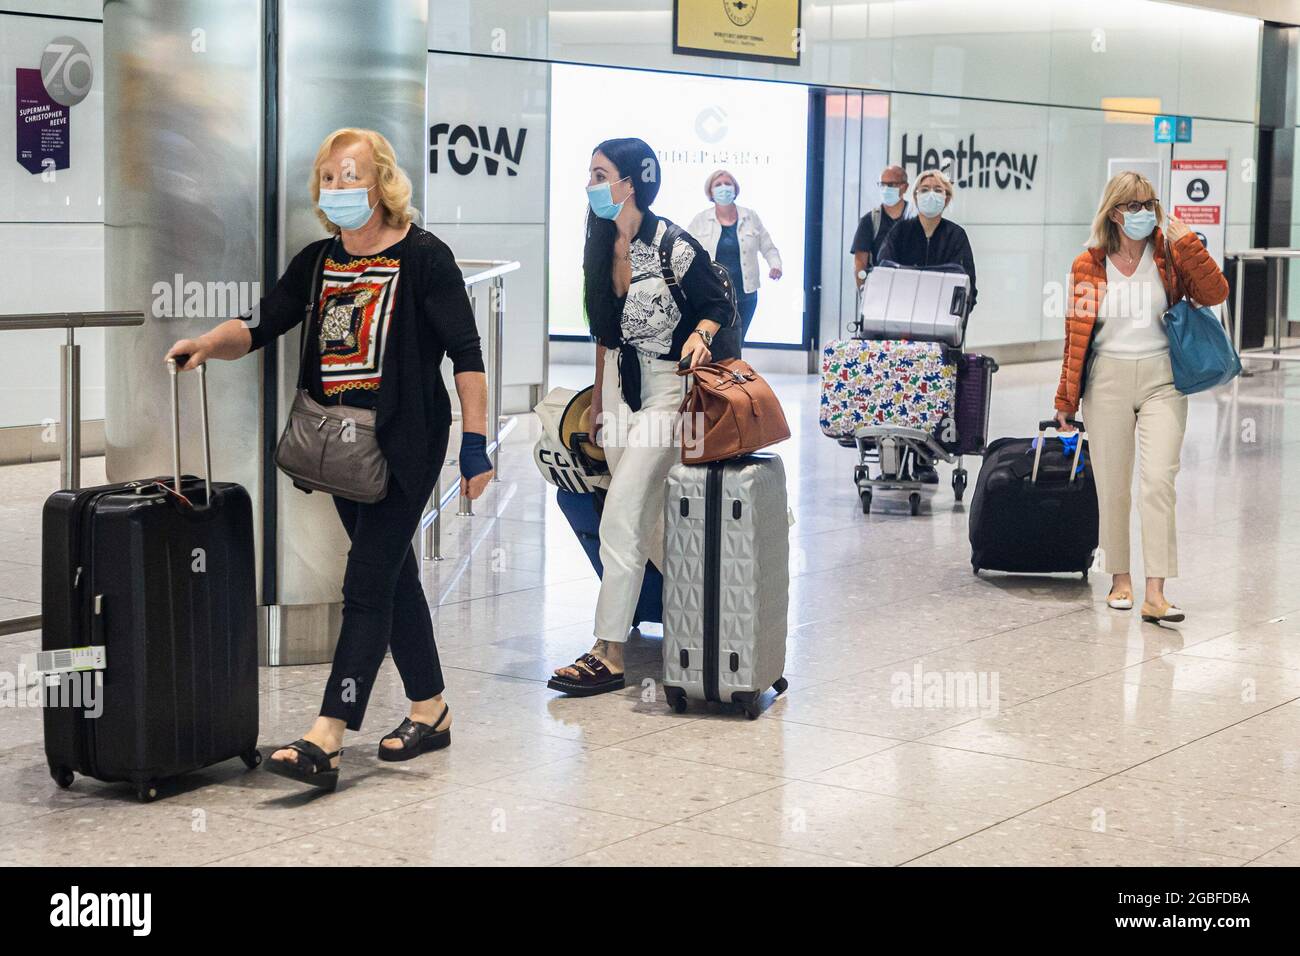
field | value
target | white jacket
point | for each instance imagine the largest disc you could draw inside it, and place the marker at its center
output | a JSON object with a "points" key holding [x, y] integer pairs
{"points": [[753, 238]]}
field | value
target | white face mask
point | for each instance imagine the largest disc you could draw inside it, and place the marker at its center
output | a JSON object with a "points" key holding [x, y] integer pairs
{"points": [[931, 203]]}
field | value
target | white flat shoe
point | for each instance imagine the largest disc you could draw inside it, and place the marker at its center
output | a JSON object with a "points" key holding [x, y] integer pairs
{"points": [[1121, 601], [1157, 615]]}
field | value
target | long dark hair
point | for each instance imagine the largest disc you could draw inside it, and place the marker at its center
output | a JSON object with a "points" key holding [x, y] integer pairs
{"points": [[632, 158]]}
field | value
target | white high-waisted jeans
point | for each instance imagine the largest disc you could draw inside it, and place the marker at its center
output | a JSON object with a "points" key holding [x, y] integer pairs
{"points": [[640, 448]]}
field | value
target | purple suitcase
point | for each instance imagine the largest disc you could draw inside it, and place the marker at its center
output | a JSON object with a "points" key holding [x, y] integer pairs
{"points": [[971, 410]]}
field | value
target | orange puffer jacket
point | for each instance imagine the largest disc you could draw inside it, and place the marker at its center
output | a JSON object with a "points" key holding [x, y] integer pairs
{"points": [[1193, 274]]}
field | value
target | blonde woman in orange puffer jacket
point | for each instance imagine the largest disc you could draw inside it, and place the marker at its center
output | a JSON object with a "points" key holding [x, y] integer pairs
{"points": [[1116, 352]]}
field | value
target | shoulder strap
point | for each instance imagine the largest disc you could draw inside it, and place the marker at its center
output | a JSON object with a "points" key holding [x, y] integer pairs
{"points": [[1171, 286], [672, 232], [313, 300], [875, 222]]}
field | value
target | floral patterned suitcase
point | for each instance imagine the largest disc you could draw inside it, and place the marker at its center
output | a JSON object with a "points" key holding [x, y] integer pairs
{"points": [[870, 382]]}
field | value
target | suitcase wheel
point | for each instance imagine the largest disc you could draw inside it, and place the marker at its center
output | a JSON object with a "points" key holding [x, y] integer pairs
{"points": [[676, 699], [958, 484], [146, 792], [914, 502], [781, 685], [866, 502], [62, 776], [748, 703], [252, 758]]}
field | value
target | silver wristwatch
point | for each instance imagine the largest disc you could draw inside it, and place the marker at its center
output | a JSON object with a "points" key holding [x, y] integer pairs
{"points": [[706, 336]]}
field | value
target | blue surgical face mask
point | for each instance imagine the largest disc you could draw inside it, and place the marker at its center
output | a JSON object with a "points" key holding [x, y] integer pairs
{"points": [[602, 202], [1139, 225], [347, 208], [889, 195], [932, 203], [724, 195]]}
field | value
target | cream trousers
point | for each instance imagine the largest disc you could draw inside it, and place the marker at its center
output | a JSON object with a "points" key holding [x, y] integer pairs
{"points": [[640, 448], [1127, 399]]}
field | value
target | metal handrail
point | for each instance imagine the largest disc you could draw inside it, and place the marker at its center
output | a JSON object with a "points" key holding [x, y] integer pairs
{"points": [[69, 396], [492, 272], [69, 320], [1261, 354], [70, 372]]}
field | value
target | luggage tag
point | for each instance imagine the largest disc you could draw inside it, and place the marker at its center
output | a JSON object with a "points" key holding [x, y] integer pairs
{"points": [[66, 660]]}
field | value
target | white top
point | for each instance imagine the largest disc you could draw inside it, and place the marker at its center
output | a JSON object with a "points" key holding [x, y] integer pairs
{"points": [[1129, 320], [750, 232]]}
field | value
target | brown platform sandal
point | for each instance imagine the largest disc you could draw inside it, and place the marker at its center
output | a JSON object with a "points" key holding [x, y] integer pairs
{"points": [[593, 678]]}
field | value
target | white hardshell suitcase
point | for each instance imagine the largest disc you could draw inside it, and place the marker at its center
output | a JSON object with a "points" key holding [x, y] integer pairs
{"points": [[921, 305], [726, 581]]}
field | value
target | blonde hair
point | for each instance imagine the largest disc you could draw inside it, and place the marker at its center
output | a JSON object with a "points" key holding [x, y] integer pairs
{"points": [[940, 177], [708, 183], [393, 184], [1123, 187]]}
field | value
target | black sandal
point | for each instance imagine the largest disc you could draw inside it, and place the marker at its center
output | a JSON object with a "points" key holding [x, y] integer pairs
{"points": [[318, 773], [593, 678], [416, 738]]}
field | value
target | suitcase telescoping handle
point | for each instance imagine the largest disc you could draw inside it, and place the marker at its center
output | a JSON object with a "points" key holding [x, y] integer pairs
{"points": [[173, 367], [1043, 426]]}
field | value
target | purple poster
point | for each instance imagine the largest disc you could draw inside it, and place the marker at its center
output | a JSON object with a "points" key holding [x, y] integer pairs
{"points": [[42, 125]]}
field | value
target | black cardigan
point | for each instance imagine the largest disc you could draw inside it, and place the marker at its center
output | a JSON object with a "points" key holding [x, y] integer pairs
{"points": [[432, 318], [908, 245]]}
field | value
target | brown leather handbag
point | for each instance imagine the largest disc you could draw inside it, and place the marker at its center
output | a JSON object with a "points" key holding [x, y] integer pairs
{"points": [[729, 411]]}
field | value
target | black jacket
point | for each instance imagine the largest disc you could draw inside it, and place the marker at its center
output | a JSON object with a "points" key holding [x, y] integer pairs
{"points": [[908, 245], [432, 318]]}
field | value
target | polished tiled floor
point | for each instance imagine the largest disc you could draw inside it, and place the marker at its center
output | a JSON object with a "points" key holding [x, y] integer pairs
{"points": [[1092, 738]]}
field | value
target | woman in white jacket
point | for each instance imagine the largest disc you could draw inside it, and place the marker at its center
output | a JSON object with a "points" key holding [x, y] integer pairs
{"points": [[734, 236]]}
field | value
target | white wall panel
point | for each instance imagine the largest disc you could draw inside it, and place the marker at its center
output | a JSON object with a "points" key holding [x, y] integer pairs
{"points": [[483, 214], [52, 230], [955, 48], [496, 27], [1080, 146], [61, 266], [525, 334], [1009, 275], [491, 162]]}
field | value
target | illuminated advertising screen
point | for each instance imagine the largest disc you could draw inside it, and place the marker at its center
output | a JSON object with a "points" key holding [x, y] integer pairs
{"points": [[757, 130]]}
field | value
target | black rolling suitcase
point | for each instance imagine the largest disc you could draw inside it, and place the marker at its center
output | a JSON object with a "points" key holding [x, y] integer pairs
{"points": [[1035, 506], [158, 576]]}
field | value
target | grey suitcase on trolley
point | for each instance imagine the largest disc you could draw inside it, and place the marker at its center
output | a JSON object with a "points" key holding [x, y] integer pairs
{"points": [[915, 304], [726, 581]]}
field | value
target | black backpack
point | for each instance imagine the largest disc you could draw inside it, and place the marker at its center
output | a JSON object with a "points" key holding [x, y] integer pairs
{"points": [[673, 232]]}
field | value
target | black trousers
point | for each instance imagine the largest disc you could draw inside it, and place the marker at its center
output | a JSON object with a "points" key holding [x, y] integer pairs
{"points": [[727, 343], [383, 605]]}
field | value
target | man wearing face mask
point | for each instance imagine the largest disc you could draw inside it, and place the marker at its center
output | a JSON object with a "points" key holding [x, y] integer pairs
{"points": [[1116, 349], [875, 226]]}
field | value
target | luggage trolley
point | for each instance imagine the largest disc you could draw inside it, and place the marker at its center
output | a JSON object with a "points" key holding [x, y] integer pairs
{"points": [[893, 457]]}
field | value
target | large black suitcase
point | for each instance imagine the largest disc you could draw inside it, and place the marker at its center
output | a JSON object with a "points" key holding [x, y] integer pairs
{"points": [[160, 573], [1035, 506]]}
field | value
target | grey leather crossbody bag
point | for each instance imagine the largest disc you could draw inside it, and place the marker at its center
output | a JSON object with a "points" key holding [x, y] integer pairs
{"points": [[330, 448]]}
